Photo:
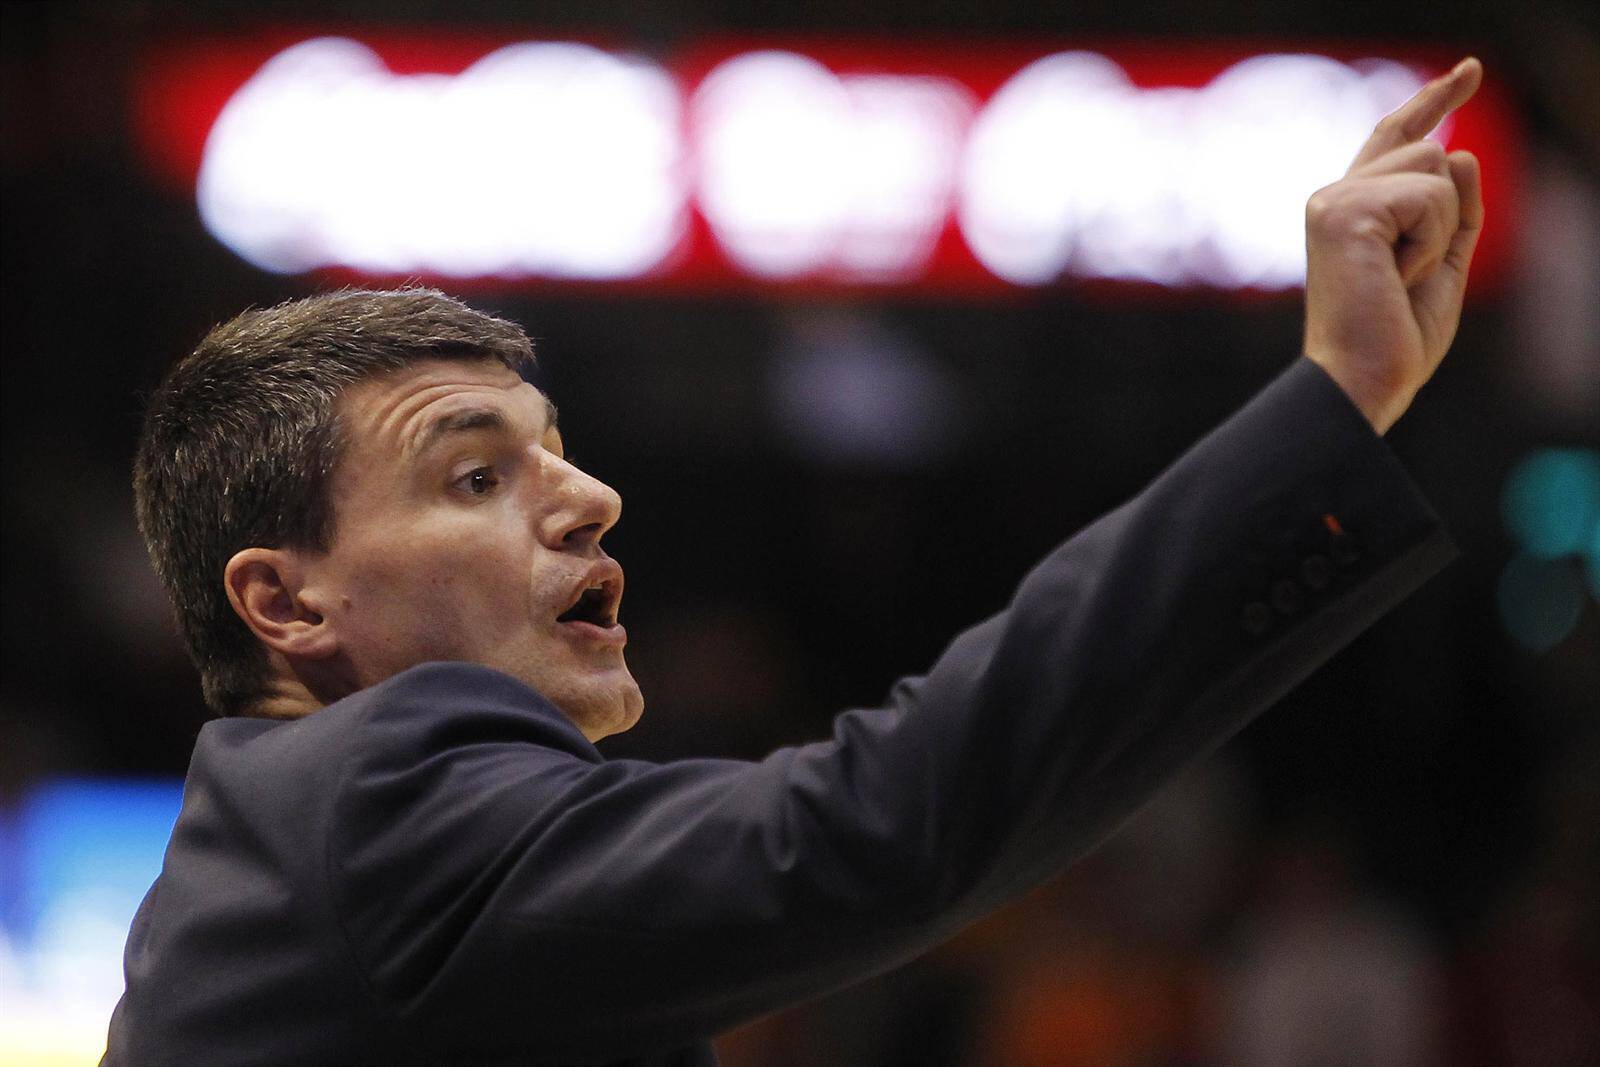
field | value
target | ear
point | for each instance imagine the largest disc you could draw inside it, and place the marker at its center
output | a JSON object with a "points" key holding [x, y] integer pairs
{"points": [[266, 587]]}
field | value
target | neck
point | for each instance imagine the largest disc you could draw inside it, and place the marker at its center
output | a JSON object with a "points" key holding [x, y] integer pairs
{"points": [[285, 700], [296, 690]]}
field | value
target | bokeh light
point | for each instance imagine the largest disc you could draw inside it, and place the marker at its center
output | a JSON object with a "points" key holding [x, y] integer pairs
{"points": [[1540, 600], [1551, 503], [79, 855]]}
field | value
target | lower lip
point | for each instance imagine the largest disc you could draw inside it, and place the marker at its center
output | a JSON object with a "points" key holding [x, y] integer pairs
{"points": [[589, 633]]}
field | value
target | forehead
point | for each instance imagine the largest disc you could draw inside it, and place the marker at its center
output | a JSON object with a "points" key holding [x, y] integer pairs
{"points": [[389, 412]]}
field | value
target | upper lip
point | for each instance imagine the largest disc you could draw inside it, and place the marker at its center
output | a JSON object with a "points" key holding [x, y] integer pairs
{"points": [[606, 574]]}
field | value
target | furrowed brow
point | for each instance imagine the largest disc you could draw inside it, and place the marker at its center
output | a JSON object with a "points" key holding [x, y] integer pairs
{"points": [[463, 421], [469, 419]]}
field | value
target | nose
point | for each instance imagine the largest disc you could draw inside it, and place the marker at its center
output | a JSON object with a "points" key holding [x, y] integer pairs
{"points": [[581, 507]]}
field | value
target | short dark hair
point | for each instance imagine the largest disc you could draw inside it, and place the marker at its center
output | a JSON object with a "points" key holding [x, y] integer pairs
{"points": [[240, 440]]}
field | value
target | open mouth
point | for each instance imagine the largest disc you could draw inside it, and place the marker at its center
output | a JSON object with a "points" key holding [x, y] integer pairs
{"points": [[597, 604]]}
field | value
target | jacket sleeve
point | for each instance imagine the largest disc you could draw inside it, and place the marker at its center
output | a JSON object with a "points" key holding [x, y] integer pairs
{"points": [[500, 883]]}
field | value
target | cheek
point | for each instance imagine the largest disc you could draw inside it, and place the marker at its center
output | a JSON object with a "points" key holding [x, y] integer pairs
{"points": [[440, 571]]}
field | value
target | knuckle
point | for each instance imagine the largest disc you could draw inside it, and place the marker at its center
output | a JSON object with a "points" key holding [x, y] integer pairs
{"points": [[1432, 154], [1323, 206], [1335, 210], [1365, 227]]}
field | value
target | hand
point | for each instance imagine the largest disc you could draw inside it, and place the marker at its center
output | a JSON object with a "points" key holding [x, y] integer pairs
{"points": [[1387, 249]]}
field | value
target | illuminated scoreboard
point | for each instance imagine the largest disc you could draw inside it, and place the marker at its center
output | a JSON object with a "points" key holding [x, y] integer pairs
{"points": [[978, 167]]}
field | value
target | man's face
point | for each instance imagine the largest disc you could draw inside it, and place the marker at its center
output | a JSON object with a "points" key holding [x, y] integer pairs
{"points": [[461, 533]]}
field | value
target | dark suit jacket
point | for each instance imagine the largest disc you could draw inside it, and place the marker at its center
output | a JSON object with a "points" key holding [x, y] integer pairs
{"points": [[441, 869]]}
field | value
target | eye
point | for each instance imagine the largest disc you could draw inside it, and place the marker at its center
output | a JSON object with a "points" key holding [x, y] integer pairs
{"points": [[479, 481]]}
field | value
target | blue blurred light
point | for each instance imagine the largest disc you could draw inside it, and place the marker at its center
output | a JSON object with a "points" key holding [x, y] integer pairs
{"points": [[80, 839], [1540, 600], [77, 855], [1551, 502]]}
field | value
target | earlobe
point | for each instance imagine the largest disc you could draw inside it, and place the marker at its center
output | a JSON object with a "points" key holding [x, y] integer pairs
{"points": [[266, 588]]}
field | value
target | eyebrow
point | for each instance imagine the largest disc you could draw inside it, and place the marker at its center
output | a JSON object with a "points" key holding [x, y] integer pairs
{"points": [[469, 419]]}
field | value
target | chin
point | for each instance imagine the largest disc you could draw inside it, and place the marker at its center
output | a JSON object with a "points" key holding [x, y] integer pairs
{"points": [[632, 709], [604, 714]]}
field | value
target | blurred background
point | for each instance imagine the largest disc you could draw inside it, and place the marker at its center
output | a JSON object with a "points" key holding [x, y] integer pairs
{"points": [[861, 308]]}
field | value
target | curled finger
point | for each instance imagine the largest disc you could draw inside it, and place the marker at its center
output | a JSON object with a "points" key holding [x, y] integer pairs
{"points": [[1468, 179], [1428, 211]]}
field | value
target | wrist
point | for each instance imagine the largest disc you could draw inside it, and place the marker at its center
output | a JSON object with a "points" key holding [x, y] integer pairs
{"points": [[1380, 403]]}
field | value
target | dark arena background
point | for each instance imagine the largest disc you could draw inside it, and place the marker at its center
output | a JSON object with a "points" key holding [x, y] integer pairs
{"points": [[873, 305]]}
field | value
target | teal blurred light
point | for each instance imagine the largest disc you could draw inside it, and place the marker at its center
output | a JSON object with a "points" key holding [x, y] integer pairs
{"points": [[1551, 504], [1540, 600], [1591, 559]]}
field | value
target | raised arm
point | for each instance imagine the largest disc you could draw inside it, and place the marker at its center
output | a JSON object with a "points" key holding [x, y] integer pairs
{"points": [[491, 866]]}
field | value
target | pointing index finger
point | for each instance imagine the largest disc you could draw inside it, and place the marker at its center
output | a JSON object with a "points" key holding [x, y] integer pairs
{"points": [[1412, 120]]}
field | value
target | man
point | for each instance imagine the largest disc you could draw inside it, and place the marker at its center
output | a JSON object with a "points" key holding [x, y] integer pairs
{"points": [[400, 845]]}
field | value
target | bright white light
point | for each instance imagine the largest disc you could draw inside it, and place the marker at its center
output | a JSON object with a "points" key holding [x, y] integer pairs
{"points": [[802, 171], [559, 160], [540, 159], [1035, 171], [773, 136], [906, 142], [1070, 168], [1270, 131]]}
